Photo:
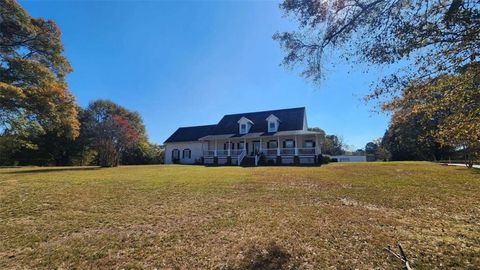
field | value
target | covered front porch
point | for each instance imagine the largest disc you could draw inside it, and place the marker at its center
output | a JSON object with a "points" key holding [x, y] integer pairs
{"points": [[286, 147]]}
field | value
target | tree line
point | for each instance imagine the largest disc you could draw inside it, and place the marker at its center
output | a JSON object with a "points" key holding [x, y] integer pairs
{"points": [[330, 144], [434, 98], [40, 121], [433, 49]]}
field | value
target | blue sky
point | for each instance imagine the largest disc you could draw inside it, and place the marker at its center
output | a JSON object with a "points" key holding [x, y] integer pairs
{"points": [[189, 63]]}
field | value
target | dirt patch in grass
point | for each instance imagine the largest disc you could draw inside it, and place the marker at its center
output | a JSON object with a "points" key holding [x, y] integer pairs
{"points": [[271, 257]]}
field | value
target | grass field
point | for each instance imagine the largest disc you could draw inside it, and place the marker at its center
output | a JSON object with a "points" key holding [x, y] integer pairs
{"points": [[189, 217]]}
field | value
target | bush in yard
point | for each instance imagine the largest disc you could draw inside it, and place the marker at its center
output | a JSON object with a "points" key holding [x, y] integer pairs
{"points": [[262, 160], [229, 161], [296, 160], [279, 160]]}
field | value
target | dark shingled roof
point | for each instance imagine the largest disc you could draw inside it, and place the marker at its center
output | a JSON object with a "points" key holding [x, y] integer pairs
{"points": [[290, 119], [187, 134]]}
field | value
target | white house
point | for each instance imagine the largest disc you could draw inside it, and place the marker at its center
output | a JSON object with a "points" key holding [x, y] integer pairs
{"points": [[272, 137]]}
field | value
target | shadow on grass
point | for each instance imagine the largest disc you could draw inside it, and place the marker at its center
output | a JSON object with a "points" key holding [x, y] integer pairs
{"points": [[272, 258], [47, 170], [472, 170], [475, 170]]}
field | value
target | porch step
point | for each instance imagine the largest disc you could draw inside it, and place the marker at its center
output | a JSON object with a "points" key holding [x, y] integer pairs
{"points": [[248, 162]]}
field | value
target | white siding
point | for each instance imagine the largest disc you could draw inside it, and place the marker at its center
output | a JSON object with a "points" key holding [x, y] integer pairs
{"points": [[195, 148], [305, 125]]}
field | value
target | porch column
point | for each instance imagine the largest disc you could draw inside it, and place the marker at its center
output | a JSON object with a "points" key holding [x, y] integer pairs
{"points": [[278, 146], [245, 146], [317, 145], [260, 150], [229, 146], [296, 146], [215, 152]]}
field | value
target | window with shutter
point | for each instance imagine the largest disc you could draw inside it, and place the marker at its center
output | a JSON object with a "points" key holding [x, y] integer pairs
{"points": [[289, 144], [187, 153], [175, 154], [309, 144], [272, 144]]}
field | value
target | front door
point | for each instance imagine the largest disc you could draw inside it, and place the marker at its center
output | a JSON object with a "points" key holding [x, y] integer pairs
{"points": [[255, 148], [241, 147]]}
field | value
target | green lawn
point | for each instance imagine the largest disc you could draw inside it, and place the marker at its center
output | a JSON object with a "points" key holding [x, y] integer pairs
{"points": [[190, 217]]}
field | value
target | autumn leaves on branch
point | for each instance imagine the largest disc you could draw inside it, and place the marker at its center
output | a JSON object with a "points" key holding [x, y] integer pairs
{"points": [[432, 46]]}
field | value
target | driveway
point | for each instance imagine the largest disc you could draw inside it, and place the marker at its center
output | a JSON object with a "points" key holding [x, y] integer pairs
{"points": [[462, 165]]}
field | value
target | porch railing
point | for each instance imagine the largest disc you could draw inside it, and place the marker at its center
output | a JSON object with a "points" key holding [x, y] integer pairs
{"points": [[209, 153], [222, 153], [236, 152], [287, 151], [268, 152], [240, 157], [271, 152], [306, 151]]}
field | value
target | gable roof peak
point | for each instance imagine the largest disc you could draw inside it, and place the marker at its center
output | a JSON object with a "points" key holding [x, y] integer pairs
{"points": [[244, 119], [273, 117], [192, 133]]}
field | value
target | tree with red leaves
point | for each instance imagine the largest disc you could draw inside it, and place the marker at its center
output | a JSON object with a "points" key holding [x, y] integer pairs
{"points": [[113, 131], [114, 136]]}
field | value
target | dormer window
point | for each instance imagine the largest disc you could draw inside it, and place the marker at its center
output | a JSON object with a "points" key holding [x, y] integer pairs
{"points": [[273, 123], [243, 128], [244, 125]]}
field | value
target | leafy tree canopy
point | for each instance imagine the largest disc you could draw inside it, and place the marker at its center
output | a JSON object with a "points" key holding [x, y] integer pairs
{"points": [[411, 136], [434, 36], [371, 148], [34, 97], [330, 144], [445, 110], [113, 130]]}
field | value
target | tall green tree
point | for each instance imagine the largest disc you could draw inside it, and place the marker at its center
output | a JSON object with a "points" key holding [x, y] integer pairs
{"points": [[330, 144], [334, 145], [377, 150], [371, 149], [411, 136], [444, 111], [48, 148], [34, 97]]}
